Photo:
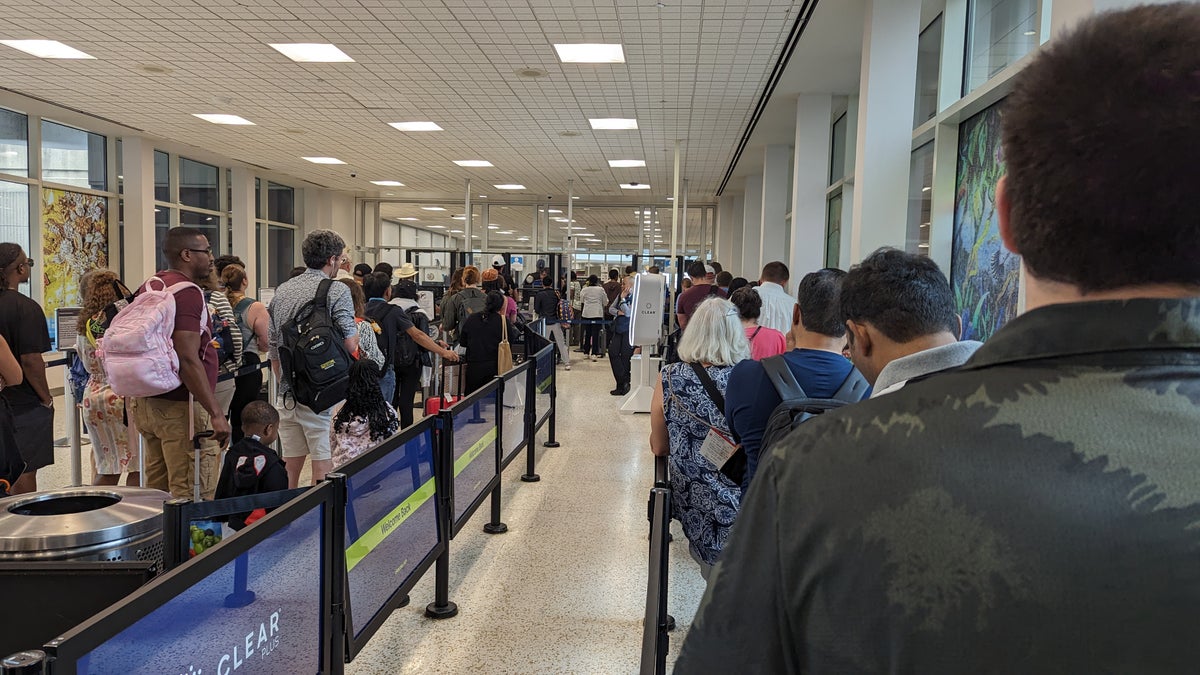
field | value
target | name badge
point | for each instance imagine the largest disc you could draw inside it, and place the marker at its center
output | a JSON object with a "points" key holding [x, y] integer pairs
{"points": [[717, 449]]}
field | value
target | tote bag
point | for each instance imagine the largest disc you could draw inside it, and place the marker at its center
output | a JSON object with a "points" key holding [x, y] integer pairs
{"points": [[504, 360]]}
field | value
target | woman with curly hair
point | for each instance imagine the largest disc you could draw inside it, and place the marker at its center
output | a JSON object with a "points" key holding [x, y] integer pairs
{"points": [[366, 419], [103, 410]]}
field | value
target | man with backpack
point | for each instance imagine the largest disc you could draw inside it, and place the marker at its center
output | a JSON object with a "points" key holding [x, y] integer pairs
{"points": [[312, 335], [404, 341], [163, 419], [703, 287], [772, 394], [549, 304]]}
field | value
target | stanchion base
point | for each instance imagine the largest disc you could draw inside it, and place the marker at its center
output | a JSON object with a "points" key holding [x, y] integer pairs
{"points": [[495, 528], [240, 599], [670, 622], [551, 444], [530, 478], [404, 601], [476, 420], [447, 611]]}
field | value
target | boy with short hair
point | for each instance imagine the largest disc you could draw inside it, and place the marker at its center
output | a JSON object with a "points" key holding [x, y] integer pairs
{"points": [[252, 466]]}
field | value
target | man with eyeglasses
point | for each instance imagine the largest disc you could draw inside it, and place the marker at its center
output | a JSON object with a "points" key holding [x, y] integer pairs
{"points": [[23, 325], [163, 420]]}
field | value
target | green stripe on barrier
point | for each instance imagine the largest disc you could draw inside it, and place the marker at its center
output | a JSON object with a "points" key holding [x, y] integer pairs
{"points": [[473, 452], [544, 385], [374, 536]]}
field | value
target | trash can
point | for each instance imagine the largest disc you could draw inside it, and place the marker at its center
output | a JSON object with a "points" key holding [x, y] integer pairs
{"points": [[83, 523]]}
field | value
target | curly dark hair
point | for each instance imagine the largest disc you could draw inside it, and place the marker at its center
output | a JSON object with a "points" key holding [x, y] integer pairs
{"points": [[1100, 143], [748, 303], [364, 400]]}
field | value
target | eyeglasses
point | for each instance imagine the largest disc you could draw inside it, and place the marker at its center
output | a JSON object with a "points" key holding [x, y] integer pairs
{"points": [[205, 251], [29, 263]]}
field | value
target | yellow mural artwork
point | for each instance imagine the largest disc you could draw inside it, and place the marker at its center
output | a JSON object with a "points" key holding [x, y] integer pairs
{"points": [[74, 241]]}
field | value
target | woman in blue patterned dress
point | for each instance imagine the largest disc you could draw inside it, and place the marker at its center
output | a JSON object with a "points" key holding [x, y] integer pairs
{"points": [[683, 413]]}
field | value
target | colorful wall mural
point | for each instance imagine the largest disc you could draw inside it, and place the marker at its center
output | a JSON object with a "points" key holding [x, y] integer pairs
{"points": [[74, 240]]}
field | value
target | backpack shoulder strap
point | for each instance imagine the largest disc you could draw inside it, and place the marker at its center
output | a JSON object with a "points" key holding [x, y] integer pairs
{"points": [[322, 297], [853, 388], [782, 378], [242, 306]]}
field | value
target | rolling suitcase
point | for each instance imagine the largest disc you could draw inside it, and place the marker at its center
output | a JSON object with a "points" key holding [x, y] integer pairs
{"points": [[436, 404]]}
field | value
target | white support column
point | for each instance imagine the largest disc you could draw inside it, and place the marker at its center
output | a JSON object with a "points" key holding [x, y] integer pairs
{"points": [[752, 227], [844, 260], [810, 182], [773, 242], [245, 236], [137, 160], [737, 216], [941, 213], [884, 147]]}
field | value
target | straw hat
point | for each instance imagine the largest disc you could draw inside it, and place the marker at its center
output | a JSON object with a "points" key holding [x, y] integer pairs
{"points": [[406, 271]]}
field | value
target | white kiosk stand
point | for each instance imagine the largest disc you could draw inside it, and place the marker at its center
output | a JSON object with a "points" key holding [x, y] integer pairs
{"points": [[645, 329]]}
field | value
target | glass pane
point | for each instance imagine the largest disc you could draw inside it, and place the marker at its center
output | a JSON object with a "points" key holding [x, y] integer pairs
{"points": [[198, 185], [209, 225], [121, 237], [837, 160], [14, 143], [929, 60], [162, 222], [162, 177], [833, 231], [281, 253], [14, 219], [72, 156], [999, 33], [120, 164], [257, 198], [281, 203], [920, 200]]}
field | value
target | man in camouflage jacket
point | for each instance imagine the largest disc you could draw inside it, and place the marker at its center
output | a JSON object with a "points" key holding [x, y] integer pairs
{"points": [[1037, 510]]}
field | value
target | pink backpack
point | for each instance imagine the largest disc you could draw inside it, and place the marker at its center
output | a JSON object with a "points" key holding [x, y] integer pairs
{"points": [[137, 350]]}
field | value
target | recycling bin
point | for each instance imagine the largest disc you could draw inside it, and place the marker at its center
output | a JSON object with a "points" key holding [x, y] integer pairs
{"points": [[83, 523]]}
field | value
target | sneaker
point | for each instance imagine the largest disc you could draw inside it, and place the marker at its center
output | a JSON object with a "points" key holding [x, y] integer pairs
{"points": [[568, 366]]}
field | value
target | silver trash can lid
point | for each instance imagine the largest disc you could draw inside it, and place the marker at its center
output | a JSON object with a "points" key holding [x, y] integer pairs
{"points": [[69, 518]]}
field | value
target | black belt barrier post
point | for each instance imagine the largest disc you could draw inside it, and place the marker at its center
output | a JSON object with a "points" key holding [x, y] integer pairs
{"points": [[337, 574], [496, 526], [655, 626], [550, 442], [441, 607], [174, 550], [530, 475], [29, 662]]}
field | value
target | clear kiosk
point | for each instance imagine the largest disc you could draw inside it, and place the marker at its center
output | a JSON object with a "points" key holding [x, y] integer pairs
{"points": [[645, 330]]}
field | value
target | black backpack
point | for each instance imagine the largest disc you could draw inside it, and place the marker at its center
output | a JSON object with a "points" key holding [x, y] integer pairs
{"points": [[418, 319], [796, 406], [312, 356]]}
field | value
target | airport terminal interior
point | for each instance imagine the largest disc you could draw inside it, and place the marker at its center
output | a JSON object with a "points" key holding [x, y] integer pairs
{"points": [[578, 136]]}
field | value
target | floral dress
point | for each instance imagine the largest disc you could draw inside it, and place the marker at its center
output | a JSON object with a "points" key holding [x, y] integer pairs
{"points": [[703, 500], [103, 410]]}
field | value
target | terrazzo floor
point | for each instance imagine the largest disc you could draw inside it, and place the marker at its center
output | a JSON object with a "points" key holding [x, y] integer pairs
{"points": [[564, 590]]}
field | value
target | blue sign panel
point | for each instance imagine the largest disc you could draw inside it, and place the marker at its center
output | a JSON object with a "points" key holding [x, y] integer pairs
{"points": [[269, 624], [474, 451], [513, 405], [391, 525], [543, 373]]}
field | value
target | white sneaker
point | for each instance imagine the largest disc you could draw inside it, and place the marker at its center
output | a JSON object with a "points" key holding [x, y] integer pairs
{"points": [[568, 366]]}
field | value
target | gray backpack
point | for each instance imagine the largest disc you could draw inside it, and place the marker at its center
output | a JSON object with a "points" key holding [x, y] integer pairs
{"points": [[796, 407]]}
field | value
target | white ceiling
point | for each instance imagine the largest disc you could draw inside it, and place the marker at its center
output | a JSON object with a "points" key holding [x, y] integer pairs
{"points": [[694, 70]]}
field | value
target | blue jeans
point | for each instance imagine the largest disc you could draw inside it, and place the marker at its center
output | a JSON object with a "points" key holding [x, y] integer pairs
{"points": [[387, 383]]}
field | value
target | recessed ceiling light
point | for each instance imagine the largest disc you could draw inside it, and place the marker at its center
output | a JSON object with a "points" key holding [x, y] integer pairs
{"points": [[324, 160], [456, 231], [509, 186], [922, 245], [554, 211], [436, 227], [493, 227], [634, 186], [574, 197], [1030, 32], [458, 217], [522, 238], [613, 123], [415, 126], [926, 188], [47, 49], [312, 52], [670, 199], [483, 196], [409, 218], [223, 119], [474, 236], [505, 232], [388, 183], [590, 53], [472, 162], [432, 208], [626, 163]]}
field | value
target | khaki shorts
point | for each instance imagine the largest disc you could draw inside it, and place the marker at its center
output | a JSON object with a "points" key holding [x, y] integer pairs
{"points": [[303, 432], [170, 456]]}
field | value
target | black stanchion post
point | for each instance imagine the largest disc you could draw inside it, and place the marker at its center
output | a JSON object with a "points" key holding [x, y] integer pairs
{"points": [[655, 627], [496, 526], [30, 662], [550, 442], [441, 607], [175, 548], [337, 573], [530, 476]]}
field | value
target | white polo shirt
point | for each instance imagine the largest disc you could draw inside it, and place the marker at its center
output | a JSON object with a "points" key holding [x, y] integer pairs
{"points": [[777, 307]]}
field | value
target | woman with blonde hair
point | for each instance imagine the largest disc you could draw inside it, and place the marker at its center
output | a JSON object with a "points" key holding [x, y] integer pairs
{"points": [[253, 322], [103, 410], [688, 412]]}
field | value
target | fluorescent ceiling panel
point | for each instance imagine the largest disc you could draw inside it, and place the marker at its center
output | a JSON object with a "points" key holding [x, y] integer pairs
{"points": [[509, 186], [472, 162], [223, 119], [415, 126], [432, 208], [590, 53], [312, 52], [635, 186], [626, 163], [47, 49], [388, 183], [613, 123], [324, 160]]}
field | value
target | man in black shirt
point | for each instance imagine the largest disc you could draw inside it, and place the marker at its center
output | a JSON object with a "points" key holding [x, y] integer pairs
{"points": [[23, 325]]}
